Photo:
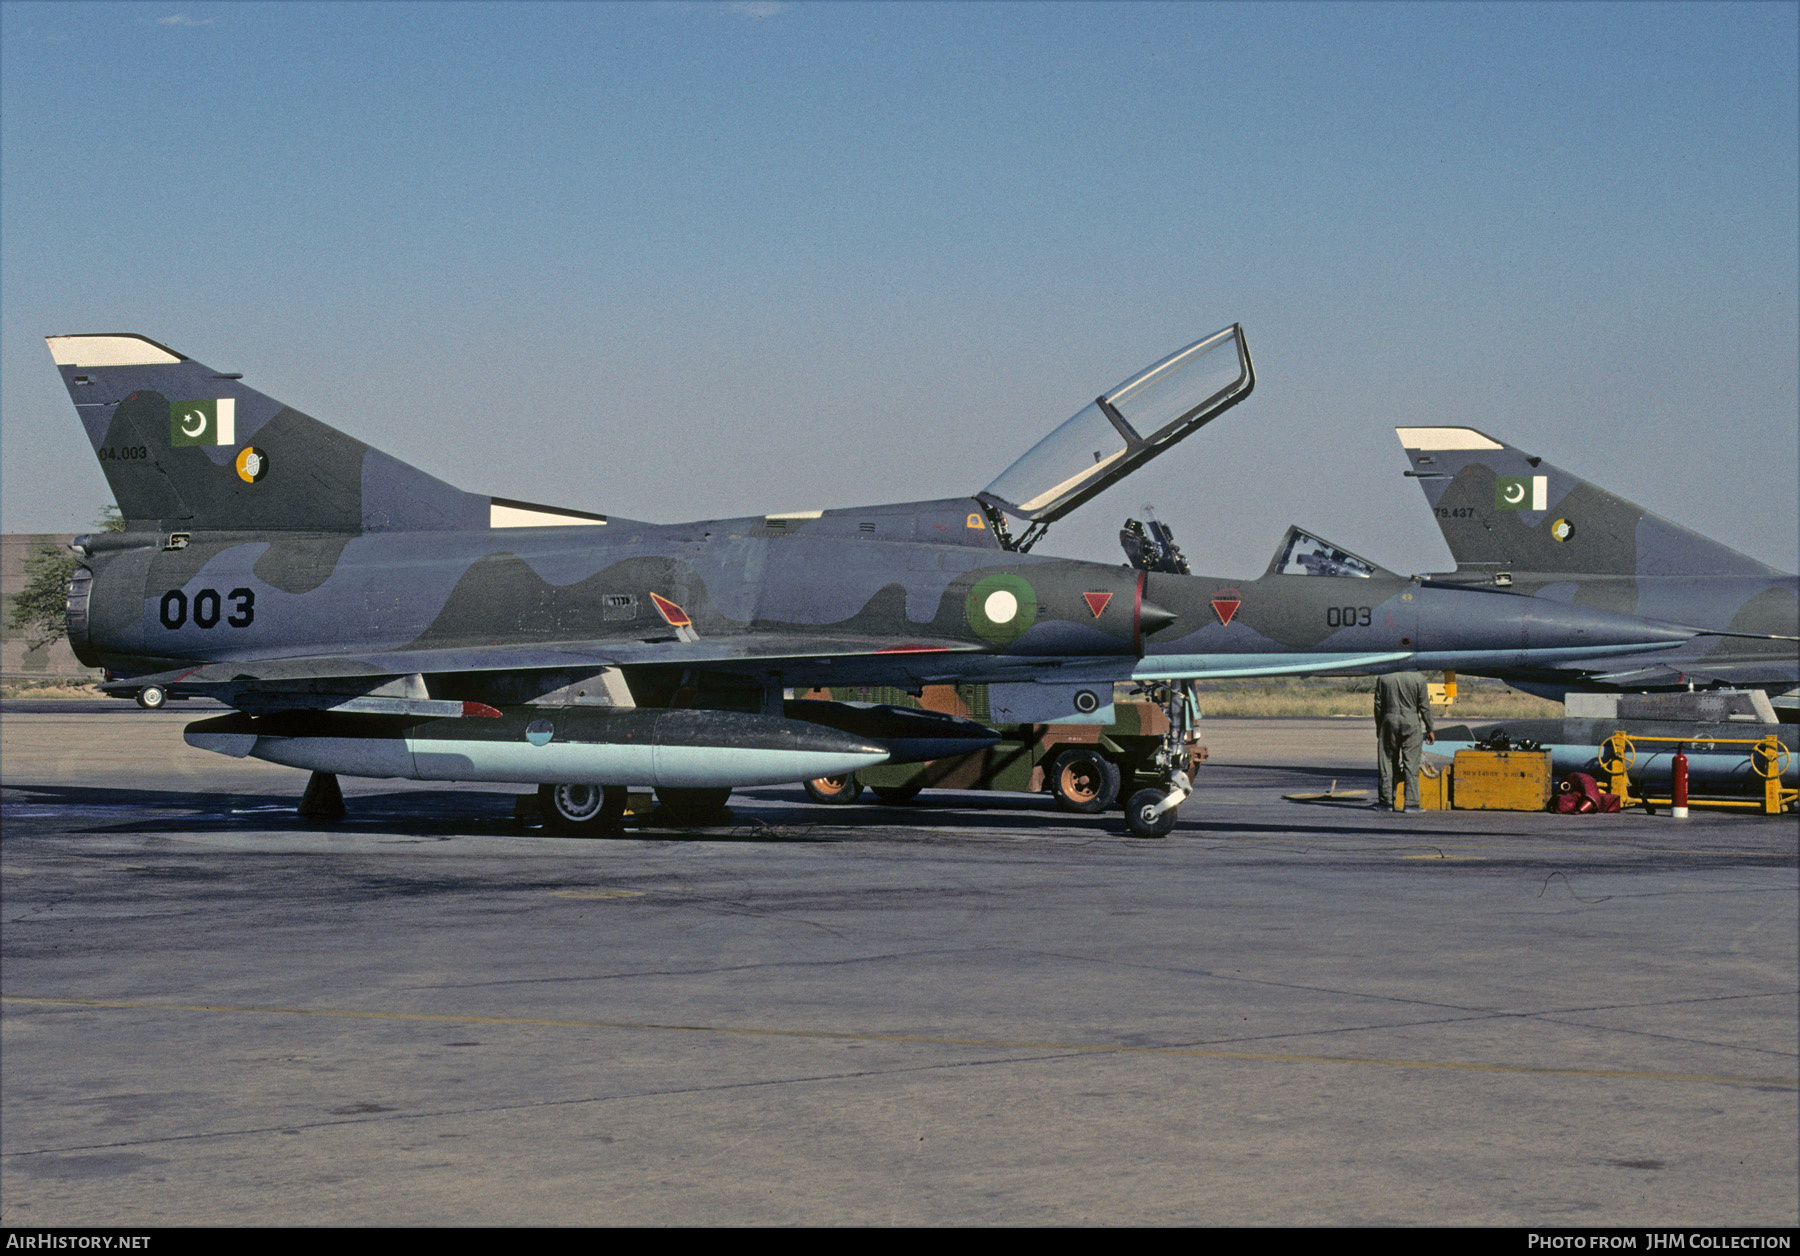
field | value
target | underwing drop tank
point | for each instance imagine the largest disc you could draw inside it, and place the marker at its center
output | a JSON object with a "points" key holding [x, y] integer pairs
{"points": [[679, 749]]}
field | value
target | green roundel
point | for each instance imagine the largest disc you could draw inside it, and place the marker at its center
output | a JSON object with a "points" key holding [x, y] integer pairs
{"points": [[1001, 608]]}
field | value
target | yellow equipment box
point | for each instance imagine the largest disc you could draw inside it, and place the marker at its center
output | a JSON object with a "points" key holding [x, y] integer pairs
{"points": [[1503, 780], [1434, 790]]}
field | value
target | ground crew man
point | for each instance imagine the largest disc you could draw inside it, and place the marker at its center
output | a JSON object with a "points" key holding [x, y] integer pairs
{"points": [[1403, 725]]}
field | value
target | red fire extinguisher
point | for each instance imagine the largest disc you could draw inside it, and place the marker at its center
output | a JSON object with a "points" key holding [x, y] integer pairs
{"points": [[1678, 791]]}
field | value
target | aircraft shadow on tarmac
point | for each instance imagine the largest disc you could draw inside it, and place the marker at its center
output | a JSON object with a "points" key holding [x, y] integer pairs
{"points": [[467, 813], [776, 817], [139, 810], [408, 813]]}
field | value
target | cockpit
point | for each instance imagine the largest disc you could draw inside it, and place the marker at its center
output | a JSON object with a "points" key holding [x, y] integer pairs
{"points": [[1303, 554], [1120, 431]]}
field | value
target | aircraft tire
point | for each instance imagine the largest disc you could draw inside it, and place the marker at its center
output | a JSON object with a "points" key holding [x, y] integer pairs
{"points": [[692, 806], [152, 697], [1143, 824], [1084, 781], [896, 795], [583, 810], [835, 790]]}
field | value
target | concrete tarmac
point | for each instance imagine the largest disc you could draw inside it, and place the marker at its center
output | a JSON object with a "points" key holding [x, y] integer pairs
{"points": [[971, 1010]]}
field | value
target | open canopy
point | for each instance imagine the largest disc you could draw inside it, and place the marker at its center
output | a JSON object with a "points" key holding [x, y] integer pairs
{"points": [[1125, 428]]}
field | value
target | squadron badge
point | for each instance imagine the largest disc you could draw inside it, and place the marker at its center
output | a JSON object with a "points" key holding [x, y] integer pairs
{"points": [[252, 464]]}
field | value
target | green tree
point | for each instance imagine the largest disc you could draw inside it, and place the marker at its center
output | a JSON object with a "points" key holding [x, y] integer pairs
{"points": [[38, 609]]}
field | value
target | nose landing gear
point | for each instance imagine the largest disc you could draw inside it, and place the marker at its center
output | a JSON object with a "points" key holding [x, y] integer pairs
{"points": [[1151, 812]]}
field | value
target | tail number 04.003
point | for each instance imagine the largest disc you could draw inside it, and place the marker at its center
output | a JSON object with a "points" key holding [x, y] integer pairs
{"points": [[207, 607]]}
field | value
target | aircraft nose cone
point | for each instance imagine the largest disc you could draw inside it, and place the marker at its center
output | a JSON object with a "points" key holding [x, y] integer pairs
{"points": [[1154, 618]]}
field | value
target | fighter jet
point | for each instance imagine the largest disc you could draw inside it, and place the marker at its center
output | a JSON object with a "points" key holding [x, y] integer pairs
{"points": [[365, 618], [1515, 522]]}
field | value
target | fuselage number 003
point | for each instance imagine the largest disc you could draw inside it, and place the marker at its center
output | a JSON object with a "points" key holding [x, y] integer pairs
{"points": [[206, 608]]}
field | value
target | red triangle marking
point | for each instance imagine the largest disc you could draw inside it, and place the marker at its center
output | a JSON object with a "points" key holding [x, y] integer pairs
{"points": [[672, 614], [1226, 607], [1096, 602]]}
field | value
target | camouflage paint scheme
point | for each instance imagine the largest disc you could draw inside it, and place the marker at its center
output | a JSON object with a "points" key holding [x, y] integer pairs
{"points": [[1515, 521], [269, 559]]}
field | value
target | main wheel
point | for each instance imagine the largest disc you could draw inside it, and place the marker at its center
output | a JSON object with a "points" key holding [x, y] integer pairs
{"points": [[835, 790], [1084, 781], [693, 806], [152, 697], [896, 795], [583, 810], [1138, 814]]}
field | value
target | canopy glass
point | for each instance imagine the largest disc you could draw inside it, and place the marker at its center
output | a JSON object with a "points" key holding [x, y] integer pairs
{"points": [[1125, 428]]}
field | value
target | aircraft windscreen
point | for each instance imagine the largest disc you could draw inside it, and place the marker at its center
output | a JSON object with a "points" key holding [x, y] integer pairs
{"points": [[1306, 555], [1118, 432]]}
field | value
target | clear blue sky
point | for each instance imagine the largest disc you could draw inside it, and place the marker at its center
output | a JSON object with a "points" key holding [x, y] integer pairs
{"points": [[681, 260]]}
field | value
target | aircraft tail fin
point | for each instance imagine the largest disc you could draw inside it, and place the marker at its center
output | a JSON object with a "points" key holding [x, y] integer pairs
{"points": [[1502, 510], [185, 447]]}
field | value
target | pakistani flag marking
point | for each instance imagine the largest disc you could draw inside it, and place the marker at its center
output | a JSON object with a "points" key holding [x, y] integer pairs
{"points": [[205, 422], [1522, 492]]}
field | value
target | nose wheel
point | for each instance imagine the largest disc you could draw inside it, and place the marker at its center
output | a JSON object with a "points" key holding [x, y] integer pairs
{"points": [[1147, 817], [1152, 812]]}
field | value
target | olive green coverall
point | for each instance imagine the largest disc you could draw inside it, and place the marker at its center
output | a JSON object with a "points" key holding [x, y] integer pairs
{"points": [[1402, 722]]}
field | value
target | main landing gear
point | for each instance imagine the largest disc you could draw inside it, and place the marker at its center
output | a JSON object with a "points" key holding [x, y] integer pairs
{"points": [[584, 810]]}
